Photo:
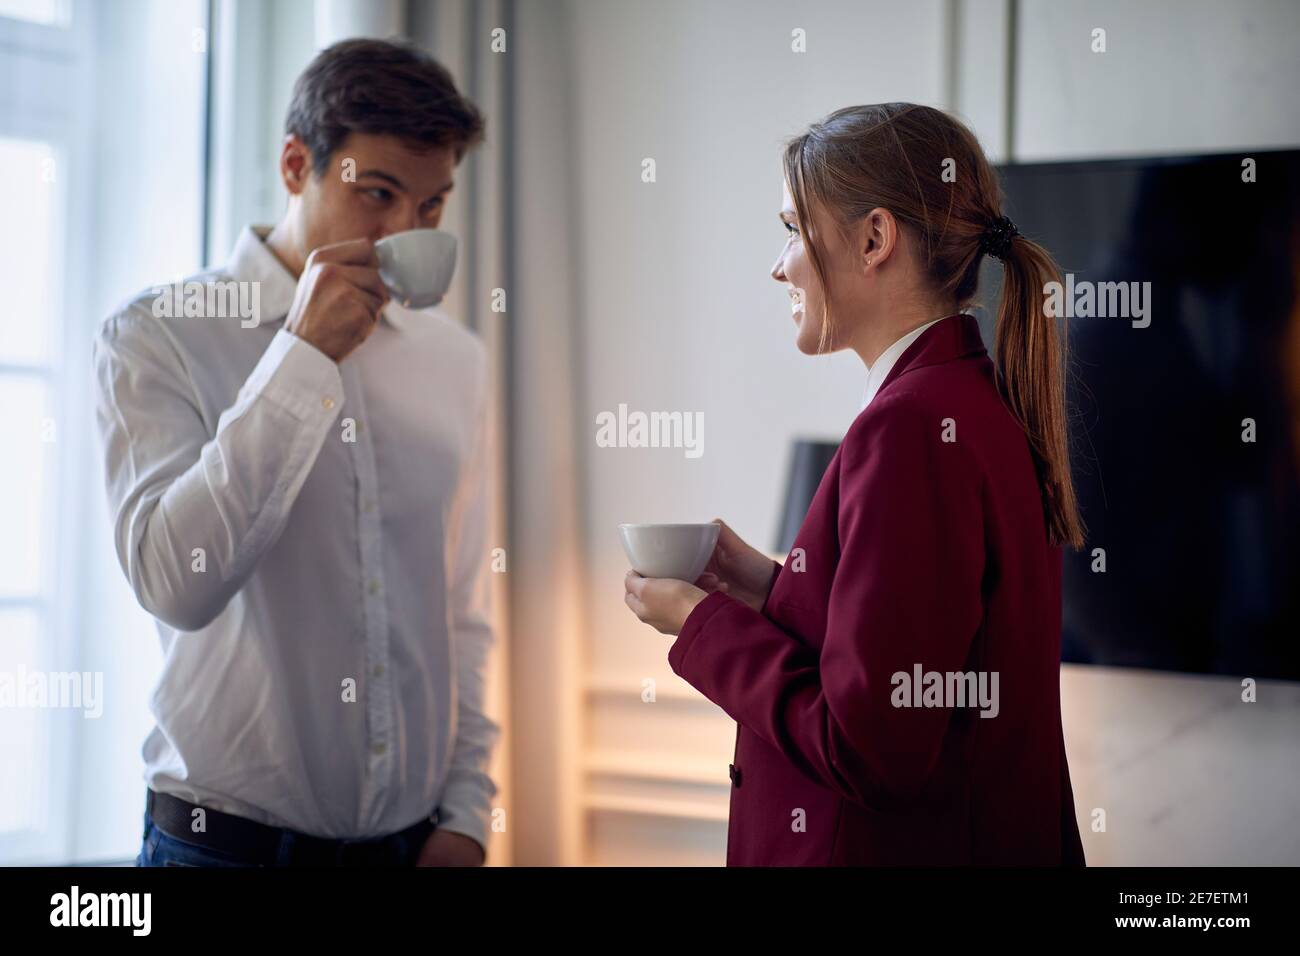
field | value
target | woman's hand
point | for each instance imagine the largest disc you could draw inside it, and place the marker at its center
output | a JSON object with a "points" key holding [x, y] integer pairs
{"points": [[663, 603], [737, 569]]}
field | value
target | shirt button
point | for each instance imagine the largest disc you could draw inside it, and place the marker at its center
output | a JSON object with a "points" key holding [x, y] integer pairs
{"points": [[367, 506], [379, 670], [379, 749], [327, 403], [373, 586]]}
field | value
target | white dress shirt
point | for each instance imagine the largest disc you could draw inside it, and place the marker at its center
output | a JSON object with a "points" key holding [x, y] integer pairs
{"points": [[879, 370], [300, 528]]}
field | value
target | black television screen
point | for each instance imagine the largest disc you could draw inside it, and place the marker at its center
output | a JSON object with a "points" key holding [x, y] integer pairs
{"points": [[1185, 406]]}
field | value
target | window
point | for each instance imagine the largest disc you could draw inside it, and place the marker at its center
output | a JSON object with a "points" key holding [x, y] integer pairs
{"points": [[97, 205], [33, 273]]}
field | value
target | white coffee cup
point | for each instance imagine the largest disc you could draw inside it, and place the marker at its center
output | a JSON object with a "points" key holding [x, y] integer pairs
{"points": [[680, 551], [417, 265]]}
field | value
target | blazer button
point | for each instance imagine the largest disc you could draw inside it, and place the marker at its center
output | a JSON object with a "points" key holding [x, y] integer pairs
{"points": [[735, 773]]}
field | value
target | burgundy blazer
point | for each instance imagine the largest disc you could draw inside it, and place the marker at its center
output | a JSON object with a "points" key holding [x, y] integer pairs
{"points": [[925, 547]]}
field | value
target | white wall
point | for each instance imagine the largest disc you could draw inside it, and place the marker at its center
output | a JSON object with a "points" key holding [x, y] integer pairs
{"points": [[1178, 76]]}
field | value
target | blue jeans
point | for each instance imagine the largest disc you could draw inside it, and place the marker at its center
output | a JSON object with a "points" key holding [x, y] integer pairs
{"points": [[163, 849]]}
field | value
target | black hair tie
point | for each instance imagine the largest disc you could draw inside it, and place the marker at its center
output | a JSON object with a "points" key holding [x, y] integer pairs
{"points": [[996, 240]]}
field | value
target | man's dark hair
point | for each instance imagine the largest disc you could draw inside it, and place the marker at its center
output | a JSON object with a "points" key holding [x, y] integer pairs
{"points": [[379, 87]]}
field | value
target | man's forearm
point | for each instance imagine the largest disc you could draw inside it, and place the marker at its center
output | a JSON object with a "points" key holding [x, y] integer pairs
{"points": [[191, 526]]}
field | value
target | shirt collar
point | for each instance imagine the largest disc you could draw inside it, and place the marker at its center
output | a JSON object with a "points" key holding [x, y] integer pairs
{"points": [[253, 261], [879, 370]]}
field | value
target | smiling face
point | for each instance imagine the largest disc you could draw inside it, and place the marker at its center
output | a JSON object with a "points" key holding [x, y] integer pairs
{"points": [[373, 186], [794, 269], [875, 289]]}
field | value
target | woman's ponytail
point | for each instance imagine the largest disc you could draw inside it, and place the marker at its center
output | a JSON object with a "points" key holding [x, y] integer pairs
{"points": [[1030, 355]]}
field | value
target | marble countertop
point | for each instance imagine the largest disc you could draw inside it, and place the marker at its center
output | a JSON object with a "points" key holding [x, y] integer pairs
{"points": [[1185, 770]]}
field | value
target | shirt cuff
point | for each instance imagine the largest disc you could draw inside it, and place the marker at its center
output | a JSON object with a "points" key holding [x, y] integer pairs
{"points": [[298, 377], [460, 813]]}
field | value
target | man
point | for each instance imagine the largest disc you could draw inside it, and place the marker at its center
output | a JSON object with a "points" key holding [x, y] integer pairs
{"points": [[299, 500]]}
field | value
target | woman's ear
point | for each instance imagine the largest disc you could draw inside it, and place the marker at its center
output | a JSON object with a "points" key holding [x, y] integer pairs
{"points": [[878, 238]]}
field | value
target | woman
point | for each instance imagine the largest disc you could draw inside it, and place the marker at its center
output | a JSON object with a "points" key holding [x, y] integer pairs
{"points": [[897, 683]]}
